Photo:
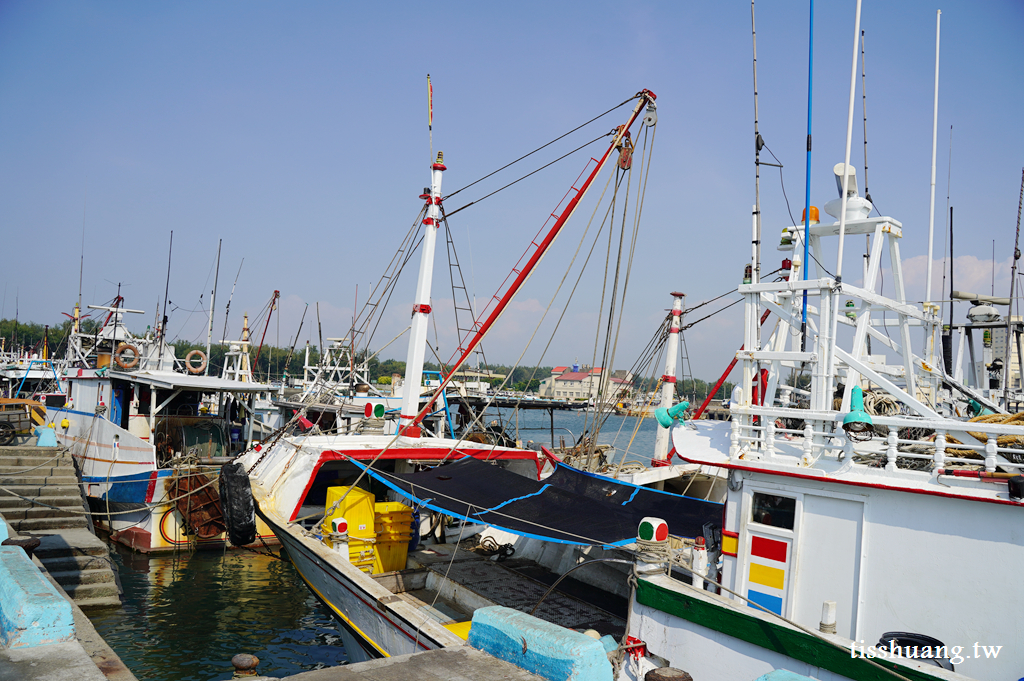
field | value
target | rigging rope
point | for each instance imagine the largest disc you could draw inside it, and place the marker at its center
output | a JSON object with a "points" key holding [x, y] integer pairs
{"points": [[543, 146], [486, 196]]}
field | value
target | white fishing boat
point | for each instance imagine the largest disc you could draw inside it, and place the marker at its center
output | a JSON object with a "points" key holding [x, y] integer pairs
{"points": [[330, 499], [149, 433], [852, 506]]}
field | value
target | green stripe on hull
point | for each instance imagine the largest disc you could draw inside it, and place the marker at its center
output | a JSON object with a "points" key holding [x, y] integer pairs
{"points": [[775, 637]]}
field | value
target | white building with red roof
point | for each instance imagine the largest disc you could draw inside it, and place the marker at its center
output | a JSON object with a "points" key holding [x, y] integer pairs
{"points": [[582, 383]]}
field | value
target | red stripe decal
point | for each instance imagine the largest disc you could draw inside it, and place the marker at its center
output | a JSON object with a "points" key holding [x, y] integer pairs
{"points": [[768, 548], [152, 486]]}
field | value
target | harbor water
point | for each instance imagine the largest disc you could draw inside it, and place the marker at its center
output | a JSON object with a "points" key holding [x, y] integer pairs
{"points": [[185, 616]]}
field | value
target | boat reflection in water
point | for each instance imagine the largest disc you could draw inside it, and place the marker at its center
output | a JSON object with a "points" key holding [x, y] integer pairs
{"points": [[186, 615]]}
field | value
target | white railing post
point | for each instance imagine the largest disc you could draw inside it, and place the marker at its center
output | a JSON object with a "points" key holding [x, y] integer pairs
{"points": [[769, 438], [990, 453], [890, 452], [808, 457], [940, 448], [734, 438]]}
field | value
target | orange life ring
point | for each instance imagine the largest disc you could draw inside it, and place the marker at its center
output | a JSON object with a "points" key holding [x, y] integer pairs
{"points": [[119, 356], [195, 369]]}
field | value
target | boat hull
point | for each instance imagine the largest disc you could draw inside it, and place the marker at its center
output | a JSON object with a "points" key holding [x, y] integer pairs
{"points": [[369, 629]]}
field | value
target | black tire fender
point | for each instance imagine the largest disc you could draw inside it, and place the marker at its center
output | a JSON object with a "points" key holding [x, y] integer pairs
{"points": [[237, 504]]}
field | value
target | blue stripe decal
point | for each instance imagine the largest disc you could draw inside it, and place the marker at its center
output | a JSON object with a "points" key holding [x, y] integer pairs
{"points": [[506, 503], [773, 603], [426, 503], [631, 496], [163, 473]]}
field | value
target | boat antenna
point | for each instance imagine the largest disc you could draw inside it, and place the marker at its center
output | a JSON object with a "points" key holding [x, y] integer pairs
{"points": [[213, 304], [758, 143], [227, 309], [947, 332], [994, 269], [81, 264], [430, 115], [167, 288], [935, 132], [830, 373], [1009, 312], [320, 333], [807, 191], [867, 194], [864, 110], [756, 245]]}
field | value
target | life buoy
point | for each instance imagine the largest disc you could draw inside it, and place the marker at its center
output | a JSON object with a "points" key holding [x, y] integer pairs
{"points": [[119, 359], [237, 504], [195, 369]]}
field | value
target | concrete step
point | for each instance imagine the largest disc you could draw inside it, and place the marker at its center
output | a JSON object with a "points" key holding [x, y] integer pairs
{"points": [[9, 503], [92, 590], [34, 524], [29, 513], [34, 454], [69, 578], [18, 471], [37, 490], [98, 603], [57, 479], [68, 542], [30, 461], [59, 564]]}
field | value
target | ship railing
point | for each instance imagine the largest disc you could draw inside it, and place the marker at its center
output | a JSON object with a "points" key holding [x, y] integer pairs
{"points": [[823, 437]]}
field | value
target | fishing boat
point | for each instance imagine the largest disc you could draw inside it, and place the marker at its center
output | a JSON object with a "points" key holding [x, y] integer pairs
{"points": [[848, 503], [149, 432], [333, 500]]}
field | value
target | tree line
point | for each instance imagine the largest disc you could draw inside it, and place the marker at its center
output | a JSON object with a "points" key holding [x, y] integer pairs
{"points": [[275, 364]]}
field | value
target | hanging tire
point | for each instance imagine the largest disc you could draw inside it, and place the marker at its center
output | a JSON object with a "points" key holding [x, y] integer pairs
{"points": [[6, 433], [131, 351], [237, 504], [192, 369]]}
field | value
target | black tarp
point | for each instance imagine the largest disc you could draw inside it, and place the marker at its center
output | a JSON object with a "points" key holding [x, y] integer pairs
{"points": [[570, 506]]}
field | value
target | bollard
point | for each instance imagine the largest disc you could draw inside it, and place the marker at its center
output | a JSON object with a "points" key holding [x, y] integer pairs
{"points": [[29, 544], [245, 665], [667, 674]]}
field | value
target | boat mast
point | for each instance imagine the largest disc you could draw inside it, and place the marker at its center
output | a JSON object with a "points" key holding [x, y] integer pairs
{"points": [[421, 304], [646, 98], [668, 381], [213, 303], [1010, 334]]}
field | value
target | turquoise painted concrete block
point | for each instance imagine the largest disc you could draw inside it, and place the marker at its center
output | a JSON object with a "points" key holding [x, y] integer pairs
{"points": [[45, 437], [5, 532], [548, 650], [32, 613], [783, 675]]}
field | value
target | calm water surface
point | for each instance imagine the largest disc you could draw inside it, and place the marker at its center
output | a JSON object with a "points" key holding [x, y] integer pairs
{"points": [[185, 616]]}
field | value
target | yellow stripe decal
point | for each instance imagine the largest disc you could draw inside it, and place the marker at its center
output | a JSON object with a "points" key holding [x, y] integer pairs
{"points": [[730, 545], [768, 576], [340, 613]]}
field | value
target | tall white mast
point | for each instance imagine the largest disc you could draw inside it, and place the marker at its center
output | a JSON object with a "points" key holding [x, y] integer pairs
{"points": [[668, 381], [935, 132], [421, 306]]}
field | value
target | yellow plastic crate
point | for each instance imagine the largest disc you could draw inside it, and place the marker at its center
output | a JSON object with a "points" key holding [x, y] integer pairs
{"points": [[357, 509]]}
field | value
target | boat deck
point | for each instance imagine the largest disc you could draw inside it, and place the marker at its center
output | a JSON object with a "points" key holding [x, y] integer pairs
{"points": [[449, 583]]}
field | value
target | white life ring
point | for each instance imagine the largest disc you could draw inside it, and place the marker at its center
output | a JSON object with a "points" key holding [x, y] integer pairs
{"points": [[119, 356], [195, 369]]}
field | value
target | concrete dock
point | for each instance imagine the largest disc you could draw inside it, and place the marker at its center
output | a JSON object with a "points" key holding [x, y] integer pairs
{"points": [[446, 664]]}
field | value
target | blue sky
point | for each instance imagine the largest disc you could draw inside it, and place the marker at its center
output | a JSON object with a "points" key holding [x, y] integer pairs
{"points": [[297, 133]]}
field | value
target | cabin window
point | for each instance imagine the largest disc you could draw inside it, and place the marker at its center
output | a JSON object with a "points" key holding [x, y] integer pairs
{"points": [[773, 510]]}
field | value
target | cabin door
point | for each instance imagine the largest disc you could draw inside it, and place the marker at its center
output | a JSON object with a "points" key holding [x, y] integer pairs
{"points": [[828, 559]]}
